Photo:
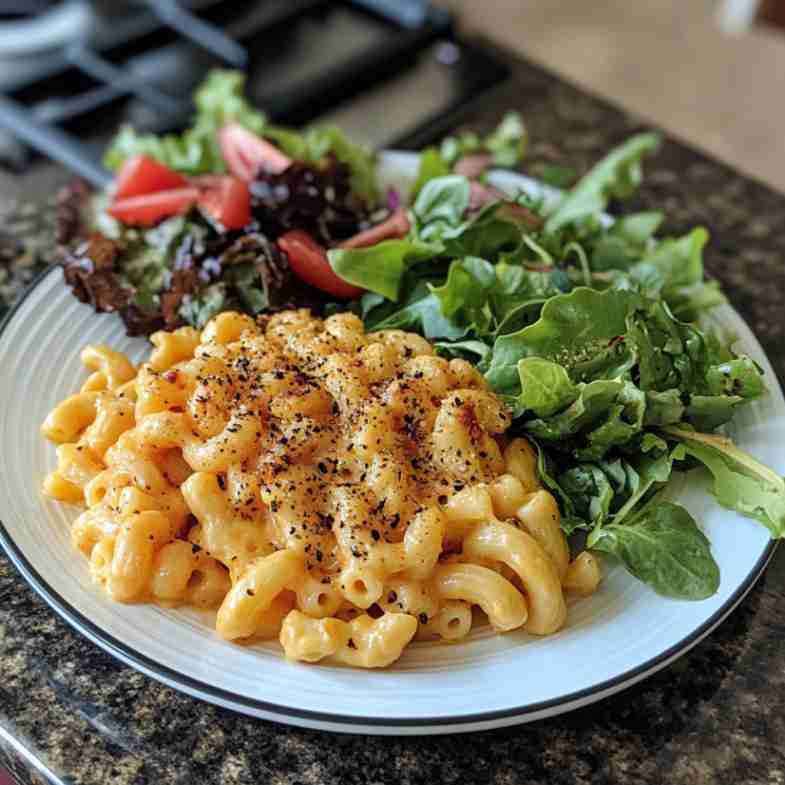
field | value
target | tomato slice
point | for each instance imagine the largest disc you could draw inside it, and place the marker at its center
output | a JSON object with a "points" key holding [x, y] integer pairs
{"points": [[152, 208], [142, 175], [246, 154], [309, 263], [226, 198], [395, 227]]}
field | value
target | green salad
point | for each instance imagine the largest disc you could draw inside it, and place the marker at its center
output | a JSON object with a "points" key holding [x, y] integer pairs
{"points": [[590, 328]]}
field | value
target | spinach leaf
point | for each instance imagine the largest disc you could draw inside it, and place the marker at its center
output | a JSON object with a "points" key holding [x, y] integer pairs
{"points": [[476, 351], [546, 387], [741, 483], [380, 268], [617, 175], [663, 547], [421, 312], [440, 205]]}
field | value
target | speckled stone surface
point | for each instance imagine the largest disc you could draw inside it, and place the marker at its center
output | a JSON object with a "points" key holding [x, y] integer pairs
{"points": [[716, 716]]}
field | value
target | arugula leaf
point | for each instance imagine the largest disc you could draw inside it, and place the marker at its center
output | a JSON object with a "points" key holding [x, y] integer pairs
{"points": [[380, 268], [663, 547], [464, 295], [605, 413], [617, 175], [571, 329], [737, 376], [507, 143], [487, 234], [625, 242], [431, 166], [741, 483], [555, 175], [421, 312], [672, 264], [663, 408]]}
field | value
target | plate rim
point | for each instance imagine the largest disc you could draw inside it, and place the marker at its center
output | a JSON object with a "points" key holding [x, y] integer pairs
{"points": [[334, 720]]}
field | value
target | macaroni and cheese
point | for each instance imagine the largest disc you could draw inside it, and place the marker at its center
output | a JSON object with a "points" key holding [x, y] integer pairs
{"points": [[341, 491]]}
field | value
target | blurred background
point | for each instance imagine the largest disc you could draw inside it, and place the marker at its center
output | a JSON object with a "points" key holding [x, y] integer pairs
{"points": [[711, 72], [391, 72]]}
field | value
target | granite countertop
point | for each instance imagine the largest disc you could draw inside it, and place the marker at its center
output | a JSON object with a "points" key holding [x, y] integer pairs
{"points": [[715, 716]]}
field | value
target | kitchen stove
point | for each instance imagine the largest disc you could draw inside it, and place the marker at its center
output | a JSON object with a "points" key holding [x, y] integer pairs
{"points": [[390, 72]]}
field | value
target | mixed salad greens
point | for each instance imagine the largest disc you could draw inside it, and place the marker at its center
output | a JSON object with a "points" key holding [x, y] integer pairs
{"points": [[589, 328]]}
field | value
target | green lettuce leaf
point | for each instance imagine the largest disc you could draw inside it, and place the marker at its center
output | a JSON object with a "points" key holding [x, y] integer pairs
{"points": [[617, 175], [662, 546], [218, 100]]}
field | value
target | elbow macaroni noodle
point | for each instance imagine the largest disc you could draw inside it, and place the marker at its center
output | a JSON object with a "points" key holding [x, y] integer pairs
{"points": [[342, 492]]}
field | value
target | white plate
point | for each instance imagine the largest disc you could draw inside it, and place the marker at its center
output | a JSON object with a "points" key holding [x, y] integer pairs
{"points": [[611, 640]]}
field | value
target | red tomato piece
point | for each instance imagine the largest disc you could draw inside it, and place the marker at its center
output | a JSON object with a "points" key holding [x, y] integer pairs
{"points": [[150, 209], [309, 263], [226, 198], [395, 227], [142, 175], [246, 154]]}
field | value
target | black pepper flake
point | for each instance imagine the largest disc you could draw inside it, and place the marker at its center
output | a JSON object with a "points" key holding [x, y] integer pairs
{"points": [[375, 534], [423, 617], [195, 548], [351, 644], [250, 592]]}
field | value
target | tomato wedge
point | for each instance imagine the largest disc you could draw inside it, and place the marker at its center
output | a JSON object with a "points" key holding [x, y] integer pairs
{"points": [[395, 227], [150, 209], [247, 154], [226, 198], [309, 263], [142, 175]]}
